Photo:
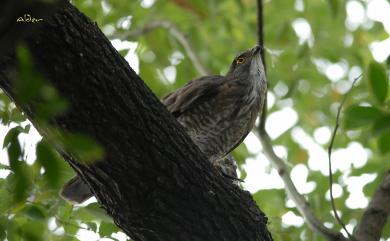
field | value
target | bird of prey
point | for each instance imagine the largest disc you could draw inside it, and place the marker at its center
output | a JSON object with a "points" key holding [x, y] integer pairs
{"points": [[216, 111]]}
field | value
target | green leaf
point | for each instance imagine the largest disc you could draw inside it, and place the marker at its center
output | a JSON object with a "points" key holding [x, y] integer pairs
{"points": [[22, 228], [26, 129], [28, 82], [357, 116], [84, 147], [271, 201], [303, 51], [370, 188], [65, 211], [334, 6], [106, 229], [51, 162], [51, 108], [384, 142], [123, 52], [370, 167], [3, 226], [96, 211], [33, 230], [13, 233], [21, 178], [11, 135], [20, 181], [92, 226], [381, 125], [5, 200], [30, 87], [378, 82], [386, 230], [35, 212], [240, 154], [92, 212], [4, 167]]}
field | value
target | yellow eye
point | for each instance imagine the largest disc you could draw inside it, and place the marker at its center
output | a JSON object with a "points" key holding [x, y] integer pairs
{"points": [[240, 60]]}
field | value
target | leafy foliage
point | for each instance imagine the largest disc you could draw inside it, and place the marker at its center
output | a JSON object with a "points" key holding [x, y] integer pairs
{"points": [[30, 206], [299, 75], [378, 82]]}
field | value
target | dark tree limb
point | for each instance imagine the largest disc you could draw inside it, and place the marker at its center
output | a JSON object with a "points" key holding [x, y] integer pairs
{"points": [[376, 214], [153, 181]]}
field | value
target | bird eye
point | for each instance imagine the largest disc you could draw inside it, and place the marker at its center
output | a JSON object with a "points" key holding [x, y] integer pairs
{"points": [[240, 60]]}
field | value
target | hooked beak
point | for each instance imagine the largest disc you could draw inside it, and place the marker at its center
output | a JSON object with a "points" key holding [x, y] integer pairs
{"points": [[256, 63], [256, 50]]}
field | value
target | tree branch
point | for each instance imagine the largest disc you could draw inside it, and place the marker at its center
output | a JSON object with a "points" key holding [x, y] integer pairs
{"points": [[376, 214], [260, 41], [301, 203], [333, 137], [174, 30], [260, 29]]}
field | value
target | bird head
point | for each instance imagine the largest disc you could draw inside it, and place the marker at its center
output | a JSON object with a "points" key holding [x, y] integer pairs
{"points": [[247, 63]]}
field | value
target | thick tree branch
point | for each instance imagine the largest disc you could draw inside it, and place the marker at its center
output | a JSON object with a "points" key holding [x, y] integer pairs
{"points": [[153, 181], [376, 214], [176, 33]]}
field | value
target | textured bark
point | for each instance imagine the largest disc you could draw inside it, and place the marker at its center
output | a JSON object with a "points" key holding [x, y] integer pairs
{"points": [[153, 181], [376, 214]]}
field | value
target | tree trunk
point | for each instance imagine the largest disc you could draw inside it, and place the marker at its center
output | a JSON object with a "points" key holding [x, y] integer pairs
{"points": [[153, 181]]}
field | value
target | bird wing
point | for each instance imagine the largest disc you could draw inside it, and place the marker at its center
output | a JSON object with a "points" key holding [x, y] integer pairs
{"points": [[192, 94], [249, 127]]}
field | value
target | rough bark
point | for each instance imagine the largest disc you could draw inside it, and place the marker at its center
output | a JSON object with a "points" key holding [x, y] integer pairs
{"points": [[376, 214], [153, 181]]}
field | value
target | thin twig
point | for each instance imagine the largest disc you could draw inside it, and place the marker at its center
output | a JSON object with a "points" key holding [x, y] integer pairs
{"points": [[260, 41], [330, 156], [260, 29], [174, 30]]}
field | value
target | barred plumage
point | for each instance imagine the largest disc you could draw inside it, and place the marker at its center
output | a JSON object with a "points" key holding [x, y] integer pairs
{"points": [[218, 112]]}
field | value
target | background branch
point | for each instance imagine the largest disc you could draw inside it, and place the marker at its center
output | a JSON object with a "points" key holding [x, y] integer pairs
{"points": [[301, 203], [375, 216], [260, 29], [260, 41], [175, 32], [330, 157]]}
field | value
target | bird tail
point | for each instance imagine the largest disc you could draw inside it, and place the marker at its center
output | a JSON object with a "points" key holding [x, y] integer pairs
{"points": [[76, 191]]}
